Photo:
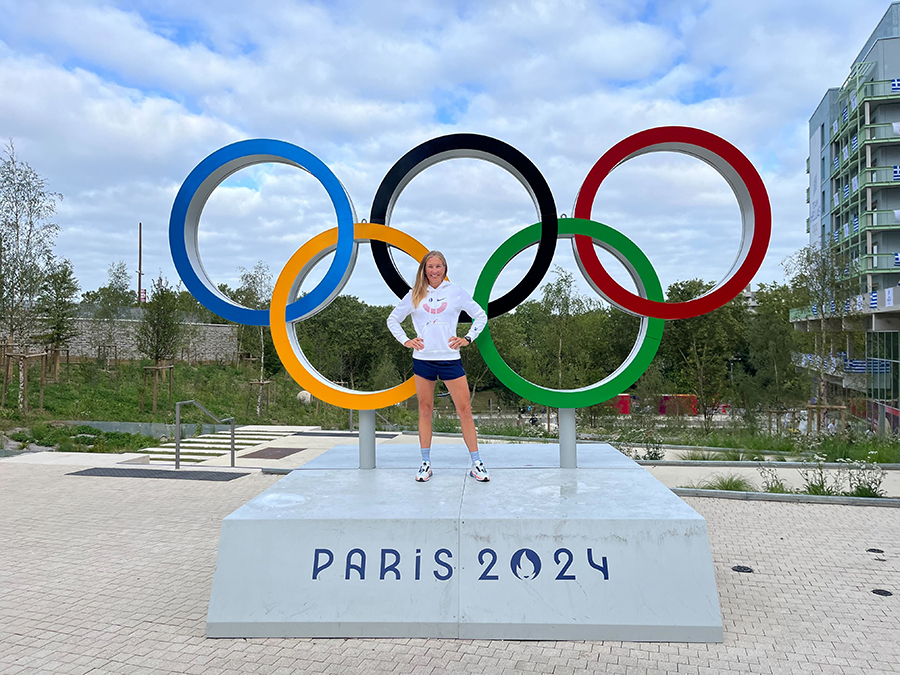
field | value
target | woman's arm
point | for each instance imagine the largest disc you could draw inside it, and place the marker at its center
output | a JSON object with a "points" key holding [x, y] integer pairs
{"points": [[400, 312], [473, 309]]}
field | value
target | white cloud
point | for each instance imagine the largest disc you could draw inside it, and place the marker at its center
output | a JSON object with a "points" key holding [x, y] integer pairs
{"points": [[115, 104]]}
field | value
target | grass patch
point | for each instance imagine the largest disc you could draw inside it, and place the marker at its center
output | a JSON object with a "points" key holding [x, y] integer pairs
{"points": [[697, 456], [86, 392], [445, 425], [82, 438], [729, 481]]}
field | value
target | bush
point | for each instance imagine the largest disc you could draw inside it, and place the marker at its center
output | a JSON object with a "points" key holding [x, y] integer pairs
{"points": [[865, 478], [772, 482], [730, 482], [698, 456], [817, 481], [445, 425], [83, 439]]}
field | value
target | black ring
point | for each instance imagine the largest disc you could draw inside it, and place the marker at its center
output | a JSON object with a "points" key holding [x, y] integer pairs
{"points": [[473, 146]]}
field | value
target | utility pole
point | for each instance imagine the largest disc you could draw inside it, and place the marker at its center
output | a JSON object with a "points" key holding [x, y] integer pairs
{"points": [[140, 272]]}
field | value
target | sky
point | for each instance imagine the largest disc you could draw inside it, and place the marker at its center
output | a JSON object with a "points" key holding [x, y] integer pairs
{"points": [[114, 103]]}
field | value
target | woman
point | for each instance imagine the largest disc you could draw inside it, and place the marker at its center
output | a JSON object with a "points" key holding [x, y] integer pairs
{"points": [[435, 304]]}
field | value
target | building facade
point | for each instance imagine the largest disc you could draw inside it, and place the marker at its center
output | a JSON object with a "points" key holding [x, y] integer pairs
{"points": [[854, 214]]}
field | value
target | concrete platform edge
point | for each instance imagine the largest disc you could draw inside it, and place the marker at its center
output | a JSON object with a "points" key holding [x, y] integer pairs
{"points": [[555, 631], [342, 629]]}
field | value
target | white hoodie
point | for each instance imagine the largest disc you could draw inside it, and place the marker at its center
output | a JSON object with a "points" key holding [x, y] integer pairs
{"points": [[435, 320]]}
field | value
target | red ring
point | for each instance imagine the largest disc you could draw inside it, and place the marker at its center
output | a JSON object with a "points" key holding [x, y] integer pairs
{"points": [[727, 289]]}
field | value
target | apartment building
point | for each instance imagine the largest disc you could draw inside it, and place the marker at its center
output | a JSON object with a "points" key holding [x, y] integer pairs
{"points": [[854, 211]]}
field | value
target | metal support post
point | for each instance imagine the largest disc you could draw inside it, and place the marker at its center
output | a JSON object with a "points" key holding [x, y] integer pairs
{"points": [[882, 420], [232, 441], [366, 439], [568, 453], [178, 435]]}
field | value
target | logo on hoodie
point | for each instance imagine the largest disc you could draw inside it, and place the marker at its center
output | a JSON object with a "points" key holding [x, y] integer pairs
{"points": [[432, 307]]}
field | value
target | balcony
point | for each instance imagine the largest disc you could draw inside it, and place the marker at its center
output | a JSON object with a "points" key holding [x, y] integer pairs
{"points": [[881, 132], [882, 218], [878, 89], [884, 262], [833, 364], [801, 314], [879, 177]]}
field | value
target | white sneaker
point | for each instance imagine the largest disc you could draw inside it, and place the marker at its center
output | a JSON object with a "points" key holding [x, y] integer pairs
{"points": [[424, 472], [479, 473]]}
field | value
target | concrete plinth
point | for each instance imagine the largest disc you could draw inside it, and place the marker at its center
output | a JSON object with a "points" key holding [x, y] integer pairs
{"points": [[604, 551]]}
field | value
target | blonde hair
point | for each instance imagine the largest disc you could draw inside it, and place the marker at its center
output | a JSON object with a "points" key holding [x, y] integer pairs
{"points": [[420, 288]]}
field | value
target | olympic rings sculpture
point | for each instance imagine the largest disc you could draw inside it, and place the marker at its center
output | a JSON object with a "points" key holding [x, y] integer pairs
{"points": [[287, 308]]}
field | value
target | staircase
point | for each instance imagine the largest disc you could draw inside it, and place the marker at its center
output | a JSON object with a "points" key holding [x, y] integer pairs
{"points": [[197, 449]]}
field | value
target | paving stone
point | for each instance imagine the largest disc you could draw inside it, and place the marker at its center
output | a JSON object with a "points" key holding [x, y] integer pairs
{"points": [[112, 575]]}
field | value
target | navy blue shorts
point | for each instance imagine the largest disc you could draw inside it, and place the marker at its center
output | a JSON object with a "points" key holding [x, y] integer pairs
{"points": [[432, 370]]}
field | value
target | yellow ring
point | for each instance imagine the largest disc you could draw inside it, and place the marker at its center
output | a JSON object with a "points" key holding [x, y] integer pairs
{"points": [[303, 373]]}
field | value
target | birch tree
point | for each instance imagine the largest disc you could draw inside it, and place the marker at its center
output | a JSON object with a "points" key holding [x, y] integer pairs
{"points": [[820, 276], [27, 236], [255, 291]]}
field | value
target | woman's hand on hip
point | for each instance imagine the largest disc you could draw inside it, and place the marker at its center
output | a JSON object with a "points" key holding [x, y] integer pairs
{"points": [[457, 342], [416, 343]]}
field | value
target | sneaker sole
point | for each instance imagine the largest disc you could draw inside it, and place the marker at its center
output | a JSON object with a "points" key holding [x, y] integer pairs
{"points": [[480, 480], [422, 480]]}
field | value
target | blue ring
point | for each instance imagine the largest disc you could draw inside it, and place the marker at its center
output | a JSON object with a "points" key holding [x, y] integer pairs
{"points": [[185, 219]]}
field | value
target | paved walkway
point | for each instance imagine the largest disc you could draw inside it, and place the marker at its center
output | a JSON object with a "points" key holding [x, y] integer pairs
{"points": [[112, 575]]}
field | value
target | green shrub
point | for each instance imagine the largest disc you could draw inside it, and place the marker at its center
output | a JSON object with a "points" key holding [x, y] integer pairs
{"points": [[731, 482], [40, 431], [446, 425], [697, 456], [817, 480], [771, 481]]}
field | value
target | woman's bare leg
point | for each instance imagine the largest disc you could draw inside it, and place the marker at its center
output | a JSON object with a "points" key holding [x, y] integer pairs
{"points": [[425, 395], [459, 392]]}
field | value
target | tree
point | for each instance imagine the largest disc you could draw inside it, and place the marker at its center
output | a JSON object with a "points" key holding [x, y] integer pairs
{"points": [[771, 340], [111, 301], [819, 277], [192, 310], [509, 340], [554, 330], [696, 352], [159, 330], [563, 306], [255, 291], [57, 306], [27, 237], [385, 374]]}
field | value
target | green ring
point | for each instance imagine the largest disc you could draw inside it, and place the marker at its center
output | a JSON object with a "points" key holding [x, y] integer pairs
{"points": [[641, 355]]}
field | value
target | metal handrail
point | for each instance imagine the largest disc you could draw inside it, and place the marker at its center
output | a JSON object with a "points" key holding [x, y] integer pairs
{"points": [[387, 421], [178, 429]]}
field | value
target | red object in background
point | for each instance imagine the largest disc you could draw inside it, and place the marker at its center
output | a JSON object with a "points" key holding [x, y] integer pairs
{"points": [[622, 403], [678, 404]]}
